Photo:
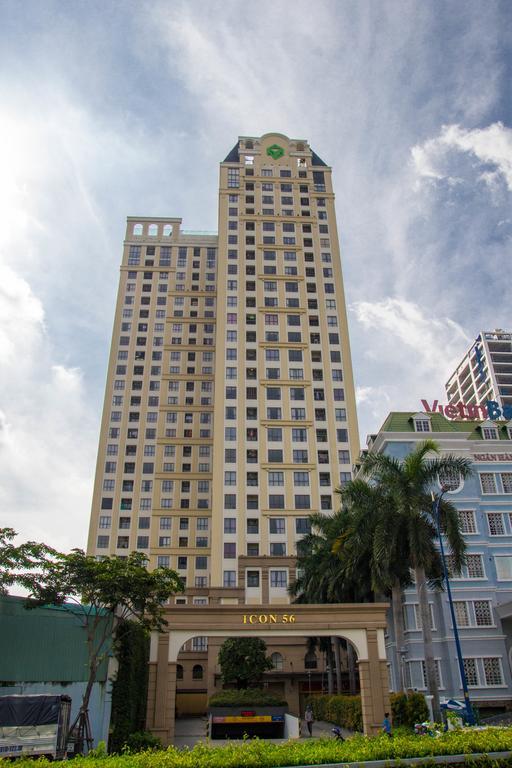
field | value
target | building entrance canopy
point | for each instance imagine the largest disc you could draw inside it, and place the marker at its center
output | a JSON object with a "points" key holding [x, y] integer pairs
{"points": [[362, 624]]}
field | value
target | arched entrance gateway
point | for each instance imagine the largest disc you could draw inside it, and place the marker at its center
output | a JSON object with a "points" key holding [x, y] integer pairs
{"points": [[362, 624]]}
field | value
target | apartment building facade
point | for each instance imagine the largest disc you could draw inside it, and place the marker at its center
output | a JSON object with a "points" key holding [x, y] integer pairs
{"points": [[482, 593], [229, 411], [485, 372]]}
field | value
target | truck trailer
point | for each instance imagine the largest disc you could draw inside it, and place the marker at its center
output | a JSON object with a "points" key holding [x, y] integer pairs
{"points": [[34, 725]]}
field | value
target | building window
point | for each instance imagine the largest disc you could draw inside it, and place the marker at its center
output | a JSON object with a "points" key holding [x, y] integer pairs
{"points": [[461, 613], [253, 525], [483, 613], [276, 501], [488, 482], [496, 524], [451, 480], [475, 567], [470, 670], [490, 433], [230, 525], [277, 661], [253, 579], [438, 673], [278, 579], [466, 520], [229, 550], [199, 643], [233, 177], [197, 672], [422, 425], [229, 579], [506, 479], [301, 478], [492, 671], [277, 525]]}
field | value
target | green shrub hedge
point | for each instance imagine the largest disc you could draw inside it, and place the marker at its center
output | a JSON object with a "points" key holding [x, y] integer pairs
{"points": [[346, 710], [264, 754], [342, 710], [255, 697]]}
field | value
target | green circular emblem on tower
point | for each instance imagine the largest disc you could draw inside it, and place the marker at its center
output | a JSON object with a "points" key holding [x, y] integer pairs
{"points": [[275, 151]]}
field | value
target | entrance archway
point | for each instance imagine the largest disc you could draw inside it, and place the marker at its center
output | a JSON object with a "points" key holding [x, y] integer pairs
{"points": [[362, 624]]}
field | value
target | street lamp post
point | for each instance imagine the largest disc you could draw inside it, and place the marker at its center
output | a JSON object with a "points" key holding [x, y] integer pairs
{"points": [[436, 502]]}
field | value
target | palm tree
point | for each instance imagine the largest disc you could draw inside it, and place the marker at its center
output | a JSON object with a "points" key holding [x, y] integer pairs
{"points": [[323, 580], [408, 483], [373, 538]]}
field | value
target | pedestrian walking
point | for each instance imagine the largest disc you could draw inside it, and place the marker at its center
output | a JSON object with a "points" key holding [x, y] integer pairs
{"points": [[386, 724], [309, 718]]}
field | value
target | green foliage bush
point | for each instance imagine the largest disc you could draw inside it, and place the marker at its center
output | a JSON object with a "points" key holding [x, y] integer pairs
{"points": [[398, 709], [129, 690], [265, 754], [408, 709], [342, 710], [141, 741], [246, 697]]}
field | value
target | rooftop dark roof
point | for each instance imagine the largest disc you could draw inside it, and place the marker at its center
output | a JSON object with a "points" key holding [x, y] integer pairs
{"points": [[232, 156], [315, 160]]}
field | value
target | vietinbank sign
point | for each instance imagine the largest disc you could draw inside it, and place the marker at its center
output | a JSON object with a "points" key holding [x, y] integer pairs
{"points": [[491, 410]]}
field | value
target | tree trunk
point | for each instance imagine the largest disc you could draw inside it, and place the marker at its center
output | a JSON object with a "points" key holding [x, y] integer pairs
{"points": [[351, 662], [398, 623], [337, 657], [430, 667]]}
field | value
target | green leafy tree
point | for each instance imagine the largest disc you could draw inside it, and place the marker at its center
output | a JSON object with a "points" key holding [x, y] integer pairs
{"points": [[408, 483], [243, 661], [19, 563], [100, 593]]}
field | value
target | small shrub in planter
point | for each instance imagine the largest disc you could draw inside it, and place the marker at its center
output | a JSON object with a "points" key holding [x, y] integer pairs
{"points": [[416, 709], [256, 697], [399, 709], [408, 709]]}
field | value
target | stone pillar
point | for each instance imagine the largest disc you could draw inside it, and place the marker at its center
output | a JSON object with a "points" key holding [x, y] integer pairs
{"points": [[163, 692], [374, 686], [214, 644]]}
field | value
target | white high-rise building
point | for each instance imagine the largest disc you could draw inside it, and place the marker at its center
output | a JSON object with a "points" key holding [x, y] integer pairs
{"points": [[485, 371]]}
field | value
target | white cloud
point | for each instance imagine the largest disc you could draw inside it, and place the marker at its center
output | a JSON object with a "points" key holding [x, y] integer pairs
{"points": [[412, 353], [21, 319], [47, 429], [491, 145], [426, 336]]}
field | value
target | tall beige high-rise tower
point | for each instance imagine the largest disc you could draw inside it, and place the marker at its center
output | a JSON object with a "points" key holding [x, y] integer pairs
{"points": [[229, 412]]}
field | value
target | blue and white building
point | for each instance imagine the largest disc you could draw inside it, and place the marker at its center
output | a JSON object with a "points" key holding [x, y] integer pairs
{"points": [[482, 594]]}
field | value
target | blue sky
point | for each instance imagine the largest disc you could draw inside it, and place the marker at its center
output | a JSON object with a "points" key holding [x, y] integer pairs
{"points": [[110, 109]]}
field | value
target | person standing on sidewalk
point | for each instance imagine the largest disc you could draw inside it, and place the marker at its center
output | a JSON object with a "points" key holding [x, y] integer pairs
{"points": [[309, 719]]}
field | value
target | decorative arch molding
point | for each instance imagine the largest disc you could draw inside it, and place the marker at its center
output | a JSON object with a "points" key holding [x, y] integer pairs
{"points": [[361, 624]]}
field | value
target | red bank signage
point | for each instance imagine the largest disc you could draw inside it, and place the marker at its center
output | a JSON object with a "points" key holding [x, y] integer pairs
{"points": [[491, 410]]}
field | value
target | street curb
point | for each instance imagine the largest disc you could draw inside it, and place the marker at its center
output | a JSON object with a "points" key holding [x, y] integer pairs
{"points": [[439, 759]]}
